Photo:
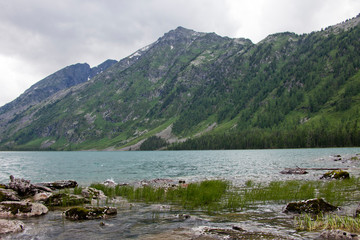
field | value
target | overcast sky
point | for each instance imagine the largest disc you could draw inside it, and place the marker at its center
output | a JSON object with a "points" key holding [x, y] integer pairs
{"points": [[39, 37]]}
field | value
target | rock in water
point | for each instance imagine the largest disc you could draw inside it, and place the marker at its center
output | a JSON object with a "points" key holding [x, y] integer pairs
{"points": [[60, 184], [21, 209], [315, 206], [89, 213], [93, 193], [65, 200], [21, 186], [10, 226], [338, 234], [8, 195], [336, 174]]}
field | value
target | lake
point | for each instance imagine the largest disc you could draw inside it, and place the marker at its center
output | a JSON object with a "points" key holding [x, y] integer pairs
{"points": [[146, 221]]}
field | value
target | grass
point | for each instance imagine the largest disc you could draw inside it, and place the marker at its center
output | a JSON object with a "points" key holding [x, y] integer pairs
{"points": [[216, 195], [307, 222]]}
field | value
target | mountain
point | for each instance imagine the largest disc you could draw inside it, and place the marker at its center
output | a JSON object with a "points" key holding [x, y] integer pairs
{"points": [[201, 91]]}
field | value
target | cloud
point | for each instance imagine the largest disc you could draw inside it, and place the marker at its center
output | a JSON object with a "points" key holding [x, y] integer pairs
{"points": [[40, 37]]}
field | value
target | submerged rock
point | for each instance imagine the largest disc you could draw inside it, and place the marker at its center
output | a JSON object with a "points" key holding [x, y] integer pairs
{"points": [[338, 234], [336, 174], [10, 226], [93, 193], [60, 184], [8, 195], [89, 213], [65, 200], [21, 209], [315, 206]]}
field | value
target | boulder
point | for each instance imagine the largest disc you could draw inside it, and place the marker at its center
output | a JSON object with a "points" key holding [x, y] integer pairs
{"points": [[65, 200], [314, 206], [8, 195], [21, 209], [110, 183], [93, 193], [336, 174], [60, 184], [10, 226], [89, 213], [338, 234], [43, 196], [21, 186]]}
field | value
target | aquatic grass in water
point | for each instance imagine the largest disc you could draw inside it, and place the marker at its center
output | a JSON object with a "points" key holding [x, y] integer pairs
{"points": [[307, 222]]}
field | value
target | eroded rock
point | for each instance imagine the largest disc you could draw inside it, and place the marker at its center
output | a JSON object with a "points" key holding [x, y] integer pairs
{"points": [[21, 209], [10, 226], [89, 213], [60, 184], [43, 196], [21, 186], [315, 206]]}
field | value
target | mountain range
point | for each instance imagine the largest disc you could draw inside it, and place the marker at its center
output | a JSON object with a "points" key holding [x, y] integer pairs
{"points": [[192, 90]]}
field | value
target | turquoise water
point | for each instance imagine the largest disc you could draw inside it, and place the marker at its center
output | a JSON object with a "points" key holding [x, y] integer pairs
{"points": [[88, 167]]}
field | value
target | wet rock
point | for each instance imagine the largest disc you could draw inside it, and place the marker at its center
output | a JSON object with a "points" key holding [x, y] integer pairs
{"points": [[43, 196], [10, 226], [315, 206], [21, 209], [225, 233], [42, 188], [294, 171], [110, 183], [65, 200], [8, 195], [338, 234], [89, 213], [93, 193], [60, 184], [336, 174]]}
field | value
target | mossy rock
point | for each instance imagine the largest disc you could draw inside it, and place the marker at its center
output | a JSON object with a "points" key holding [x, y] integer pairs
{"points": [[314, 206], [65, 200], [89, 213], [8, 195], [21, 209], [336, 174], [2, 185]]}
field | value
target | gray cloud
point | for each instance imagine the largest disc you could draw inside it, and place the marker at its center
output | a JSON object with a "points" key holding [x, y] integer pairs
{"points": [[40, 37]]}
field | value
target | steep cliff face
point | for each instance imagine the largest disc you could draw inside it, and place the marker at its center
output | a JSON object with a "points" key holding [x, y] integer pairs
{"points": [[188, 84]]}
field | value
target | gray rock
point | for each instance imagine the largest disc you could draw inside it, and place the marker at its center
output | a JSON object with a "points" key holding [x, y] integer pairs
{"points": [[21, 209], [60, 184], [10, 226], [8, 195], [93, 193], [89, 213], [338, 234], [315, 206], [21, 186], [43, 196]]}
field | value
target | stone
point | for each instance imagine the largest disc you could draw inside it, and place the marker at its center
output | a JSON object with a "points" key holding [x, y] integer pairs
{"points": [[89, 213], [21, 186], [93, 193], [315, 206], [65, 200], [10, 226], [336, 174], [21, 209], [43, 196], [60, 184], [357, 211], [8, 195], [110, 183], [338, 234], [294, 171]]}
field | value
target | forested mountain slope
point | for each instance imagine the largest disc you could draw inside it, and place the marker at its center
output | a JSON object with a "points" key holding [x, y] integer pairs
{"points": [[202, 91]]}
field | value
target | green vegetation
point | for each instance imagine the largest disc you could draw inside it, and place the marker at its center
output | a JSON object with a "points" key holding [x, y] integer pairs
{"points": [[308, 222], [153, 143]]}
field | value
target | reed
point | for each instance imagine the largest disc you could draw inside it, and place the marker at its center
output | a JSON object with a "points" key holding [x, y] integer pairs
{"points": [[307, 222]]}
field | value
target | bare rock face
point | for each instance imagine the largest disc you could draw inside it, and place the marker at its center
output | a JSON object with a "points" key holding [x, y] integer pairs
{"points": [[89, 213], [10, 226], [315, 206], [21, 209]]}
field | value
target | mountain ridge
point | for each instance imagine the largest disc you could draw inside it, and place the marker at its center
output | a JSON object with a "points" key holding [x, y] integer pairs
{"points": [[202, 87]]}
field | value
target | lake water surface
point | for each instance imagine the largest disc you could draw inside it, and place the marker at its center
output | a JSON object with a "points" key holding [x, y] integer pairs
{"points": [[144, 221]]}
